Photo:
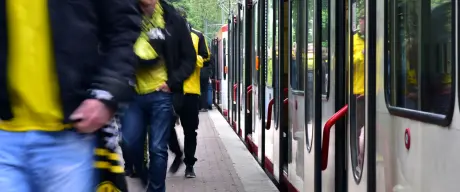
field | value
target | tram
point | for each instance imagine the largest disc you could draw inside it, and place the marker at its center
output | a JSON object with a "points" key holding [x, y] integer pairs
{"points": [[344, 95]]}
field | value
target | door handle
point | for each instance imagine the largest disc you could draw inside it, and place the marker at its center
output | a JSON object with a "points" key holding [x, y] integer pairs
{"points": [[234, 92], [248, 94], [217, 82], [249, 87], [327, 134], [269, 114]]}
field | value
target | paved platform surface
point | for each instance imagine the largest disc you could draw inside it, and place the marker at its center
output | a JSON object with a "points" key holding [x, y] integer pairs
{"points": [[224, 164]]}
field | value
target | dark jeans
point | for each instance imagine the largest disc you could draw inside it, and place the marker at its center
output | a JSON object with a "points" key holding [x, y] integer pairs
{"points": [[204, 94], [153, 111], [189, 120]]}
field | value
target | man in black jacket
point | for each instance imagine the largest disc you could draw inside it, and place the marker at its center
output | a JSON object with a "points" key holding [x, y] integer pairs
{"points": [[166, 59], [188, 113], [65, 67]]}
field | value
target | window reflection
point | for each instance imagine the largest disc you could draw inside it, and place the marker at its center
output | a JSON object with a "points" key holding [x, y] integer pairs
{"points": [[358, 79], [421, 55], [325, 47], [269, 40], [307, 55]]}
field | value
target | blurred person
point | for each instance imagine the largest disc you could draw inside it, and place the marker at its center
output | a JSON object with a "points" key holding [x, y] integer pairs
{"points": [[166, 59], [359, 57], [64, 71], [188, 113], [205, 78]]}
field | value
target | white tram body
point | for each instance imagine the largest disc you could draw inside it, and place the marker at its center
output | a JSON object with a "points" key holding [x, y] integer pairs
{"points": [[345, 95], [221, 82]]}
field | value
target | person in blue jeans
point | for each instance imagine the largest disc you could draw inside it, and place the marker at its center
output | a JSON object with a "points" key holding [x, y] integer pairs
{"points": [[166, 58], [65, 67]]}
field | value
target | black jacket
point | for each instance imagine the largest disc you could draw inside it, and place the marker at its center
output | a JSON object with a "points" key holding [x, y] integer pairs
{"points": [[202, 48], [178, 51], [93, 50]]}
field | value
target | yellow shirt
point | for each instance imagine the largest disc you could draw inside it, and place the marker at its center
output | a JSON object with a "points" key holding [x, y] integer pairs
{"points": [[358, 65], [192, 84], [31, 71], [148, 79]]}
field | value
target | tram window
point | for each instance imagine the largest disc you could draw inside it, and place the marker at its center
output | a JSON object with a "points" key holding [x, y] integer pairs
{"points": [[255, 43], [325, 48], [270, 45], [357, 102], [421, 60], [297, 72]]}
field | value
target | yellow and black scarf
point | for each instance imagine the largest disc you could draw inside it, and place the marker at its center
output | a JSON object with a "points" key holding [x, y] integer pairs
{"points": [[108, 165], [143, 47]]}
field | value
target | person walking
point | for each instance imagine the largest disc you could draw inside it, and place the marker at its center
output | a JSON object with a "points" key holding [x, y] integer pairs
{"points": [[206, 73], [64, 71], [166, 60], [188, 113]]}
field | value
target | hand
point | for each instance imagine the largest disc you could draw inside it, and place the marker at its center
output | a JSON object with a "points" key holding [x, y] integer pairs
{"points": [[164, 88], [91, 115]]}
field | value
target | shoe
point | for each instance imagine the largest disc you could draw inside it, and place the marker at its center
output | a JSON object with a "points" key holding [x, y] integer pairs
{"points": [[176, 164], [203, 110], [130, 173], [189, 172]]}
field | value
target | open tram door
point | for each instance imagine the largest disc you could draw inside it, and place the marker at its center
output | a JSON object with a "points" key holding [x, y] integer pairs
{"points": [[234, 74], [355, 99]]}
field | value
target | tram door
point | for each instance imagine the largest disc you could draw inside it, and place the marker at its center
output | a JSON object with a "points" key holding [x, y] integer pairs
{"points": [[361, 95], [235, 72], [271, 40], [244, 68], [231, 69], [246, 107], [255, 92]]}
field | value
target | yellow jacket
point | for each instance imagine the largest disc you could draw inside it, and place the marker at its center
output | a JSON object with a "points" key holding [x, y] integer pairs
{"points": [[192, 84]]}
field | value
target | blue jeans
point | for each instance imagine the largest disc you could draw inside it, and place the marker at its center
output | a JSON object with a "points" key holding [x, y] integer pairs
{"points": [[47, 161], [155, 111]]}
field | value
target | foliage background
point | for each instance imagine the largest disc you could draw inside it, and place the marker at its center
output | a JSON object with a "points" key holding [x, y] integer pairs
{"points": [[205, 15]]}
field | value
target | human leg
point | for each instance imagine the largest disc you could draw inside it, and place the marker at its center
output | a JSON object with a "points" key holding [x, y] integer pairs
{"points": [[13, 172], [161, 117], [190, 121], [62, 161], [133, 129], [203, 98], [175, 148]]}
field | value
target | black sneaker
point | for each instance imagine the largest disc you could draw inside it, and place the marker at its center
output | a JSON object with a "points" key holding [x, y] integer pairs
{"points": [[189, 172], [130, 172], [176, 164], [203, 110]]}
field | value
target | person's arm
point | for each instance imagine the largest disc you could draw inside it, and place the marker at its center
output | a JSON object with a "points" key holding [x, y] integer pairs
{"points": [[203, 49], [119, 27], [187, 55]]}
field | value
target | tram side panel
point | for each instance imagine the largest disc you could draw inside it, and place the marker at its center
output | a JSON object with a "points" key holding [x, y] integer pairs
{"points": [[224, 62], [418, 129]]}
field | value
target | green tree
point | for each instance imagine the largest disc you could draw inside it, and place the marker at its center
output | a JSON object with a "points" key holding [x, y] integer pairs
{"points": [[202, 12]]}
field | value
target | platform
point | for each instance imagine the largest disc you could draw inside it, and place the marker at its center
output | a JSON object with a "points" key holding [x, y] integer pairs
{"points": [[224, 163]]}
